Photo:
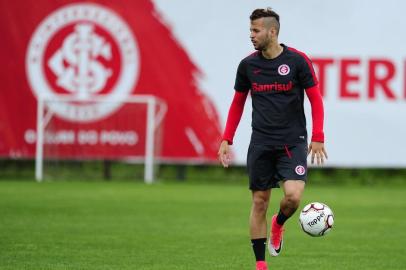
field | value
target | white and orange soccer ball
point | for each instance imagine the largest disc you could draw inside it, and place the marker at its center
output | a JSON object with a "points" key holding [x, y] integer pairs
{"points": [[316, 219]]}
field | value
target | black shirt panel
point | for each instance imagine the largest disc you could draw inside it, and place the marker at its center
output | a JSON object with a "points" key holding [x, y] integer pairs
{"points": [[242, 83], [306, 72], [277, 90]]}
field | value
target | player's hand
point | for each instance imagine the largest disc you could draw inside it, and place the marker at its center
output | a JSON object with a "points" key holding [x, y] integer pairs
{"points": [[318, 152], [224, 154]]}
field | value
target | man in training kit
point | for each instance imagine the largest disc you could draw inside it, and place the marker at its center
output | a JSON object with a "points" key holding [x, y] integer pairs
{"points": [[277, 77]]}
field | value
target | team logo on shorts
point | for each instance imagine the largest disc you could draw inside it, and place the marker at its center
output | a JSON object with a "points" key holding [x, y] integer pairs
{"points": [[283, 70], [84, 52], [300, 170]]}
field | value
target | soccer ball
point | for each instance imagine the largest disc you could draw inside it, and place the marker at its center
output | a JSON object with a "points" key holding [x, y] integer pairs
{"points": [[316, 219]]}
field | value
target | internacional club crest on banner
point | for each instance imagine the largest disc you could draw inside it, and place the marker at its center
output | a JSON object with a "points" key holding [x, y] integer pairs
{"points": [[83, 51]]}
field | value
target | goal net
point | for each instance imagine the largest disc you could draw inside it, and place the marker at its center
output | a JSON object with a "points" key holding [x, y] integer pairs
{"points": [[98, 131]]}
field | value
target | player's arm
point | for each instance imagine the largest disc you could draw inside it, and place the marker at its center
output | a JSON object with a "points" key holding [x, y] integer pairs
{"points": [[233, 119], [316, 147], [241, 86], [308, 79]]}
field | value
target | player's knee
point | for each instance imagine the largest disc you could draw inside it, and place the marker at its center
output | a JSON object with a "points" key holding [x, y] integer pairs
{"points": [[293, 201], [260, 205]]}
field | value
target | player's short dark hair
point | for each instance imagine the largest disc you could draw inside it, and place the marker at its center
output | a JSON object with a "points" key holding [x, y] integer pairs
{"points": [[266, 13]]}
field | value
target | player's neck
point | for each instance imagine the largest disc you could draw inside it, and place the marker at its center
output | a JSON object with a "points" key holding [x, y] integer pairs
{"points": [[272, 51]]}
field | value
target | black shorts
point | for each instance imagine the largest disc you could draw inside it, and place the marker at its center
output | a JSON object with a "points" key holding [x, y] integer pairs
{"points": [[269, 164]]}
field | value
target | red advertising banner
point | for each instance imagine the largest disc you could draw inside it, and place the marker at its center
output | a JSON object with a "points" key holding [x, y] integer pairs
{"points": [[104, 50]]}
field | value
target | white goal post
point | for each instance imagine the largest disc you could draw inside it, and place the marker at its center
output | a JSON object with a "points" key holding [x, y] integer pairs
{"points": [[156, 110]]}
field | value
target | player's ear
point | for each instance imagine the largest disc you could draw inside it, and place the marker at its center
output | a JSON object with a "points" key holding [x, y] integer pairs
{"points": [[269, 30], [274, 32]]}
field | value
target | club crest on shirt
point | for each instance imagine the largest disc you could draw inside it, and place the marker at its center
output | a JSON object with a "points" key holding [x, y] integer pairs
{"points": [[283, 69]]}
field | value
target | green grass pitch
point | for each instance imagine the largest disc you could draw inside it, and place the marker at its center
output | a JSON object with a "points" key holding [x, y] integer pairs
{"points": [[122, 225]]}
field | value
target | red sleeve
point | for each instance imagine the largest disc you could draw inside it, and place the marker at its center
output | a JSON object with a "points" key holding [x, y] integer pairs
{"points": [[316, 102], [234, 115]]}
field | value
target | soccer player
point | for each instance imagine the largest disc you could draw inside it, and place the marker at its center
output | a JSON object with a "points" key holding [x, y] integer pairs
{"points": [[276, 76]]}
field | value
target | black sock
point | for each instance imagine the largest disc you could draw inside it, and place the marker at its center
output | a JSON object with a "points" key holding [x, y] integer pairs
{"points": [[258, 245], [281, 218]]}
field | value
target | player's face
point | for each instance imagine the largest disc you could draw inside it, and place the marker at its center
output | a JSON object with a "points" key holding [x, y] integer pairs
{"points": [[260, 35]]}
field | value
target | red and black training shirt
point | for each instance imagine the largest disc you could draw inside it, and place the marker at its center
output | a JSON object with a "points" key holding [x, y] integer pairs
{"points": [[277, 89]]}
